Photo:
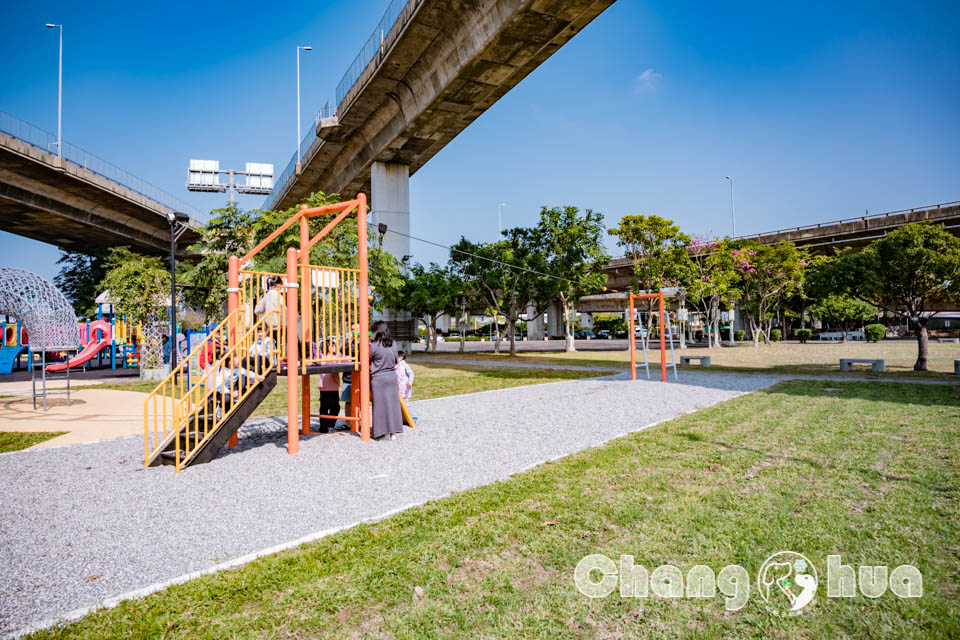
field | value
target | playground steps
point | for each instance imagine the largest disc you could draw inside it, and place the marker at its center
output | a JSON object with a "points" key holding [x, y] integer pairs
{"points": [[237, 417]]}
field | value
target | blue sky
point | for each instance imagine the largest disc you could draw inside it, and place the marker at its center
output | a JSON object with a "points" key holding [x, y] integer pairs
{"points": [[819, 111]]}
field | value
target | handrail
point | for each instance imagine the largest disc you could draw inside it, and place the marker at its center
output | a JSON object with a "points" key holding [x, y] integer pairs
{"points": [[207, 399], [82, 159], [168, 387], [187, 400]]}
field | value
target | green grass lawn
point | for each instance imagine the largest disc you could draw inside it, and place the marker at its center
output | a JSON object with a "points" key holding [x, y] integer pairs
{"points": [[870, 471], [17, 440], [783, 357]]}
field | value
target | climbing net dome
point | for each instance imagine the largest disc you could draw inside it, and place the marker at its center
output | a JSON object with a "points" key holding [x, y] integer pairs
{"points": [[45, 313]]}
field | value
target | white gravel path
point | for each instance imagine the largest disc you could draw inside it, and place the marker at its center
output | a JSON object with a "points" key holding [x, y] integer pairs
{"points": [[81, 525]]}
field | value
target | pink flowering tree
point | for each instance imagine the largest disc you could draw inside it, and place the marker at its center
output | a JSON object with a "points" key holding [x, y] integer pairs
{"points": [[768, 275], [710, 282]]}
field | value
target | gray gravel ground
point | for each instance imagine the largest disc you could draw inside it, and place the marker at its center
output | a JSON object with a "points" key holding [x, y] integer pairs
{"points": [[83, 523]]}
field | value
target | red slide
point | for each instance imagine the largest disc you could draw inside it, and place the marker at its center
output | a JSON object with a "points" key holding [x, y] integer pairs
{"points": [[90, 350]]}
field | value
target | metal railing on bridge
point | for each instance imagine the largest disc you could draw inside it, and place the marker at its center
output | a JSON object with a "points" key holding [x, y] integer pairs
{"points": [[46, 141], [396, 16]]}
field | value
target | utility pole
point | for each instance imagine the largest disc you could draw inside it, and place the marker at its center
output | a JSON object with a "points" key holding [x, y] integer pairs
{"points": [[733, 210]]}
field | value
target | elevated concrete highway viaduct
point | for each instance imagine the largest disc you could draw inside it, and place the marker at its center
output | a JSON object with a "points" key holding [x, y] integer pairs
{"points": [[75, 206], [441, 64]]}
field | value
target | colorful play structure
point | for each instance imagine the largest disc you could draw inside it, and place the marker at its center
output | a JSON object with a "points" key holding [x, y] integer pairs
{"points": [[664, 322], [106, 338], [321, 326], [16, 343], [45, 324]]}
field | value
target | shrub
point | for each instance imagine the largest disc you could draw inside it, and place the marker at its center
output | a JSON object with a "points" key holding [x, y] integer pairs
{"points": [[875, 332], [775, 335], [803, 335], [739, 335]]}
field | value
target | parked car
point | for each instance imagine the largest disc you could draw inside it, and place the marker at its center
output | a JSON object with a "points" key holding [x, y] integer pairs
{"points": [[604, 334]]}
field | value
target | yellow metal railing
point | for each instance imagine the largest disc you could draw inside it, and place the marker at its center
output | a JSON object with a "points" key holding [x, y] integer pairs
{"points": [[187, 407], [253, 286], [329, 317]]}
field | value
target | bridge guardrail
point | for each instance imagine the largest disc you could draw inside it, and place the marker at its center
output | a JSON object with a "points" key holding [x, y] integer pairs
{"points": [[46, 141], [869, 216]]}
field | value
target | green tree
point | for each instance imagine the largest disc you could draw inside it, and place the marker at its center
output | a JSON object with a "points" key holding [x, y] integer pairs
{"points": [[768, 273], [658, 250], [709, 281], [80, 276], [507, 276], [843, 311], [575, 257], [428, 294], [905, 273], [139, 287], [230, 231]]}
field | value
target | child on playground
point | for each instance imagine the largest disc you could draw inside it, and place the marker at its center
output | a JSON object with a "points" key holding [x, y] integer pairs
{"points": [[404, 376], [261, 352], [329, 386], [229, 379]]}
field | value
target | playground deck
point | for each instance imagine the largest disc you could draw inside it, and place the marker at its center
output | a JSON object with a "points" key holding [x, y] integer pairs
{"points": [[91, 492]]}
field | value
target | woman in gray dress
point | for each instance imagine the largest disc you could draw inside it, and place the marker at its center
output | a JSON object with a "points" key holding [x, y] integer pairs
{"points": [[387, 419]]}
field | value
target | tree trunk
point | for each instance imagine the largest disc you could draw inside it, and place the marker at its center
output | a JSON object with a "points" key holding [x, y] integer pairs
{"points": [[922, 345], [496, 345], [511, 331], [754, 331], [433, 332]]}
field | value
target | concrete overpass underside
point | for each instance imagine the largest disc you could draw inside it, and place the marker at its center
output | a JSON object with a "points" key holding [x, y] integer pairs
{"points": [[61, 203], [441, 68]]}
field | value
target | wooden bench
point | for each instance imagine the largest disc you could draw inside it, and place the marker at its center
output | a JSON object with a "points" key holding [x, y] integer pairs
{"points": [[703, 361], [878, 365]]}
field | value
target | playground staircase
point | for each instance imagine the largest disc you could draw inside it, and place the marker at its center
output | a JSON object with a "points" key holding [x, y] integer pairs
{"points": [[192, 414], [204, 448]]}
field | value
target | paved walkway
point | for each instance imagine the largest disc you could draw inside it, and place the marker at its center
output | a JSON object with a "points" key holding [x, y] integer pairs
{"points": [[94, 414], [85, 525]]}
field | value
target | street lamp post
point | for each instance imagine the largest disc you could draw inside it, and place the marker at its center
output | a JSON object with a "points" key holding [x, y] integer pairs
{"points": [[298, 104], [500, 218], [733, 210], [174, 218], [59, 92]]}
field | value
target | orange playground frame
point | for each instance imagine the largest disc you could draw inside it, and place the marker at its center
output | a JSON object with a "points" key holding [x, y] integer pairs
{"points": [[299, 297]]}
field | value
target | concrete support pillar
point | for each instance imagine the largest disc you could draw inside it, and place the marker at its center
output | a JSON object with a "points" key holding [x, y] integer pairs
{"points": [[534, 327], [555, 325], [444, 323], [390, 204], [586, 321]]}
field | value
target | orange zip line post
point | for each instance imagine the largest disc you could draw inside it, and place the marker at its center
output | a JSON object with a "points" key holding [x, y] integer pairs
{"points": [[663, 327]]}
